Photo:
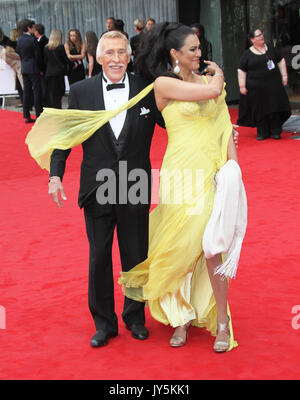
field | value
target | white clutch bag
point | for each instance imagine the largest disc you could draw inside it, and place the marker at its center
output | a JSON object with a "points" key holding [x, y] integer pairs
{"points": [[225, 230]]}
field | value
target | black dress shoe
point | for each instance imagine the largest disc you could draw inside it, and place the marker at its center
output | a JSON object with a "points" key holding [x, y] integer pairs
{"points": [[261, 138], [138, 331], [29, 121], [101, 338], [275, 136]]}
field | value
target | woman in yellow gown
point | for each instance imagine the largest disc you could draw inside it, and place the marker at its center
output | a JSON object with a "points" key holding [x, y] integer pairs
{"points": [[177, 282]]}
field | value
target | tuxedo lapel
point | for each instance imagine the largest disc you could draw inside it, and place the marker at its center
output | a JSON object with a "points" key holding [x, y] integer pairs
{"points": [[105, 133], [131, 118], [98, 93]]}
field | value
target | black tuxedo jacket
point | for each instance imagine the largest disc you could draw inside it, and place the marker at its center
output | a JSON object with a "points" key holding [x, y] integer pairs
{"points": [[29, 52], [42, 43], [56, 61], [102, 150]]}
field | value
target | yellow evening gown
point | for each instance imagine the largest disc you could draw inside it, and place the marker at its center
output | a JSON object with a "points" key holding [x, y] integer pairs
{"points": [[174, 280]]}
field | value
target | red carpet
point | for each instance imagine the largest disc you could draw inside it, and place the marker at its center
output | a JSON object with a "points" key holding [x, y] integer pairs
{"points": [[44, 271]]}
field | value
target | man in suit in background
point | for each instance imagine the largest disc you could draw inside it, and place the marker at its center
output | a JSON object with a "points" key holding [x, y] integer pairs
{"points": [[120, 147], [149, 24], [29, 52], [39, 33], [109, 24], [139, 26]]}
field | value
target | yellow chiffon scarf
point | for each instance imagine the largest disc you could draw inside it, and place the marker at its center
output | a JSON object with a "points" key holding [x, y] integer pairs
{"points": [[64, 129]]}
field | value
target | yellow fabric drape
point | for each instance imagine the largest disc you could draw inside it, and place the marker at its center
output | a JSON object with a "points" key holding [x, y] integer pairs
{"points": [[64, 129]]}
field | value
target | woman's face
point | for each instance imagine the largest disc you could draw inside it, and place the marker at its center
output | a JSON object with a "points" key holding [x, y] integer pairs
{"points": [[197, 31], [73, 36], [258, 39], [189, 54]]}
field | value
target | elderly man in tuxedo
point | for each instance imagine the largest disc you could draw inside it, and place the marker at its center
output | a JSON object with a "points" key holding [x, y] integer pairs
{"points": [[121, 147]]}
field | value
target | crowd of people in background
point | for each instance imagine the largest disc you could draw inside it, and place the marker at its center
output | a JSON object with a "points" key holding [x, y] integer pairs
{"points": [[41, 63]]}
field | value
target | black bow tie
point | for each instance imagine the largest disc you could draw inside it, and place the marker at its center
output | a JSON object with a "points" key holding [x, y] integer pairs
{"points": [[112, 86]]}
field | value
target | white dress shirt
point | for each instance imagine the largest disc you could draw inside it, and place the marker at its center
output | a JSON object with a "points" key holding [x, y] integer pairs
{"points": [[113, 99]]}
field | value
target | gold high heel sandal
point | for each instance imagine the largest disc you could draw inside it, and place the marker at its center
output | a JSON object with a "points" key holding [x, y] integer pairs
{"points": [[178, 340], [221, 344]]}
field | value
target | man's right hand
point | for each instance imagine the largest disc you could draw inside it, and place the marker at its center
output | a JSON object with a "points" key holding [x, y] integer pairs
{"points": [[56, 190]]}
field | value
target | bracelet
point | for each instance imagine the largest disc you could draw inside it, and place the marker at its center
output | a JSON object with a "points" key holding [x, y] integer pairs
{"points": [[218, 74]]}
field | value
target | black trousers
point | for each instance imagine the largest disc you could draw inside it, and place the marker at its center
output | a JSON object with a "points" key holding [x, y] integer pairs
{"points": [[44, 91], [131, 225], [32, 82], [19, 89], [269, 126]]}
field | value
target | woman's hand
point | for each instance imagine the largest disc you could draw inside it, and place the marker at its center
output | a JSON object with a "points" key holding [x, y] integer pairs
{"points": [[235, 135], [212, 68], [243, 91]]}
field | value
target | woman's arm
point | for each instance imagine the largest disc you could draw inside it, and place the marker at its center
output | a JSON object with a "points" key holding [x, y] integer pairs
{"points": [[242, 75], [167, 88], [283, 71], [67, 50], [72, 57], [79, 57], [231, 150], [91, 64]]}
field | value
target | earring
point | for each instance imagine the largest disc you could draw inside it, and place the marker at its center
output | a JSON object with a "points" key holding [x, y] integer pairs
{"points": [[176, 68]]}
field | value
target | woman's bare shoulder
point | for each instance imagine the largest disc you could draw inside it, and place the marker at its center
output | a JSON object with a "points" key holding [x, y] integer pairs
{"points": [[161, 79], [162, 82]]}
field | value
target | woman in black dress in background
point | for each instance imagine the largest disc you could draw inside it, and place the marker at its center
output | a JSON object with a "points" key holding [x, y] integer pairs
{"points": [[56, 62], [205, 46], [262, 75], [91, 46], [75, 50]]}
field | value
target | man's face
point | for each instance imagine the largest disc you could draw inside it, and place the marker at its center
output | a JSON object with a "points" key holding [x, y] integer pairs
{"points": [[149, 25], [36, 34], [114, 58], [109, 24]]}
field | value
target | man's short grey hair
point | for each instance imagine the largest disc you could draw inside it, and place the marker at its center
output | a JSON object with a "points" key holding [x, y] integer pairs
{"points": [[112, 35]]}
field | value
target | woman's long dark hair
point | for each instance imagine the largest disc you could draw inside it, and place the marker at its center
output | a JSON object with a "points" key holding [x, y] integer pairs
{"points": [[78, 43], [154, 52], [91, 42]]}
